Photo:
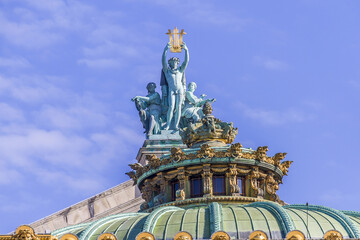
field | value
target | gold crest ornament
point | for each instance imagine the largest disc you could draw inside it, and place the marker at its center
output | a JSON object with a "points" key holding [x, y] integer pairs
{"points": [[176, 39]]}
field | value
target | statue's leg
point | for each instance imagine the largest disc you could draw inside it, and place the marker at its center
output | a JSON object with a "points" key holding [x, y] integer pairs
{"points": [[170, 110], [142, 114], [151, 124], [179, 100]]}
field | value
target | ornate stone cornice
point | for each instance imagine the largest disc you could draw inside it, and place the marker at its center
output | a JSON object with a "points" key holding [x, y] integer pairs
{"points": [[206, 152]]}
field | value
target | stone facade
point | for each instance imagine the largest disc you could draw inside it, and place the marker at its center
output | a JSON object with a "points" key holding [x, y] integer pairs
{"points": [[122, 198]]}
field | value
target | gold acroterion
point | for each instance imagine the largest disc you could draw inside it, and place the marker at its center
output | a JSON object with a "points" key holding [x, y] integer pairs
{"points": [[176, 39]]}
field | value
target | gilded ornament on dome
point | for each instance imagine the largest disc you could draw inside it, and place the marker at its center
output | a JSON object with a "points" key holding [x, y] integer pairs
{"points": [[205, 152], [177, 154], [145, 236], [333, 235], [183, 236], [132, 175], [295, 235], [153, 161], [258, 235], [220, 235], [260, 153], [209, 130], [69, 236], [107, 236], [284, 166], [25, 232], [278, 158], [139, 169], [234, 150]]}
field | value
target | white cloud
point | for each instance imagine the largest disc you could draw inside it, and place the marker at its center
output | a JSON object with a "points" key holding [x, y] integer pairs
{"points": [[14, 62], [9, 113], [43, 23], [101, 63], [272, 117], [204, 12], [270, 64]]}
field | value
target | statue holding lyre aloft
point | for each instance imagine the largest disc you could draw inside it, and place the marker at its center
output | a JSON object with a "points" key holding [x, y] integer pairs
{"points": [[173, 79]]}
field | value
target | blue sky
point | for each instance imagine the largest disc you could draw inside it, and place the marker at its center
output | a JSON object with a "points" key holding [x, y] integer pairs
{"points": [[285, 72]]}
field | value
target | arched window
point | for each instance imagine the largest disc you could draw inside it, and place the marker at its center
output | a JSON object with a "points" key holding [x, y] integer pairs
{"points": [[196, 187], [219, 185]]}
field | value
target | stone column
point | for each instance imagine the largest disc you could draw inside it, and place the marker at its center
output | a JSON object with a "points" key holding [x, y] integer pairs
{"points": [[231, 176], [183, 178], [163, 187], [207, 180]]}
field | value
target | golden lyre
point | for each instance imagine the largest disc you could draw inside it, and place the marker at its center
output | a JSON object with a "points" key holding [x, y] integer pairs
{"points": [[176, 39]]}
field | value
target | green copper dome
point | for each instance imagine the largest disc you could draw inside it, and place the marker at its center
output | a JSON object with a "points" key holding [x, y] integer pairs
{"points": [[201, 221]]}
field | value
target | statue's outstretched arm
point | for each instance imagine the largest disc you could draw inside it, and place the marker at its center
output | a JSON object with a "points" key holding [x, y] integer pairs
{"points": [[192, 98], [146, 99], [186, 59], [163, 60]]}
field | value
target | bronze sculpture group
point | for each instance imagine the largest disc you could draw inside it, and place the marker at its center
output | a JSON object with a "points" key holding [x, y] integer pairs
{"points": [[177, 106]]}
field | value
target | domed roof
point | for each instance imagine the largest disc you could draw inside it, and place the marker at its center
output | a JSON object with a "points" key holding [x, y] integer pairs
{"points": [[239, 221]]}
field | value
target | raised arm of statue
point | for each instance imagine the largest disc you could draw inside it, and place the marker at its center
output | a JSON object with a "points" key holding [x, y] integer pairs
{"points": [[186, 59], [163, 60]]}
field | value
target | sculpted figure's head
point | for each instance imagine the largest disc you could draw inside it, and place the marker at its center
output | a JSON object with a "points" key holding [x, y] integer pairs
{"points": [[173, 62], [151, 87], [192, 87]]}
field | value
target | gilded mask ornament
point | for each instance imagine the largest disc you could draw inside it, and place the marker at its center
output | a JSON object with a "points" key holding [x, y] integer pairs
{"points": [[235, 150], [205, 152], [25, 235]]}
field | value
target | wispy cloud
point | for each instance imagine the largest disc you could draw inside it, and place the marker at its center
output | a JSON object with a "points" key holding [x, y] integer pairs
{"points": [[61, 141], [14, 62], [272, 117], [42, 23], [205, 13], [270, 64]]}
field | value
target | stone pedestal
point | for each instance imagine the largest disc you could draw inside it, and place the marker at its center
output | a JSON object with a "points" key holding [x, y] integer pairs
{"points": [[159, 144]]}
